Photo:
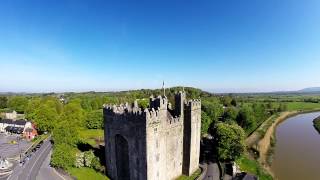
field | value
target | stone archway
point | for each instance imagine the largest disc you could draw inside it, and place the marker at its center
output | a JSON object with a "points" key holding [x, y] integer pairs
{"points": [[122, 158]]}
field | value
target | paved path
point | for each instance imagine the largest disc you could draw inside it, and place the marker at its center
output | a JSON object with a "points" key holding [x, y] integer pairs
{"points": [[212, 172]]}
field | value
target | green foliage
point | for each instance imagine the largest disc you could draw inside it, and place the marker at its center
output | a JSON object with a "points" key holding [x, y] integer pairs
{"points": [[226, 100], [205, 122], [88, 158], [246, 118], [74, 113], [234, 102], [230, 114], [18, 103], [212, 108], [63, 156], [94, 119], [32, 108], [45, 118], [253, 167], [282, 107], [66, 132], [143, 103], [229, 140], [3, 102], [316, 124]]}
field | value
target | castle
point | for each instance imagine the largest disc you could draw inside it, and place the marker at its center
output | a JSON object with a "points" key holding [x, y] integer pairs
{"points": [[158, 143]]}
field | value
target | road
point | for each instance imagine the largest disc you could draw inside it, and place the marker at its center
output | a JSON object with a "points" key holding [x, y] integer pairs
{"points": [[47, 172], [30, 170]]}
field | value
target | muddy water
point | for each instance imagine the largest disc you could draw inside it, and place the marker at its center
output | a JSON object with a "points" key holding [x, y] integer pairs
{"points": [[297, 151]]}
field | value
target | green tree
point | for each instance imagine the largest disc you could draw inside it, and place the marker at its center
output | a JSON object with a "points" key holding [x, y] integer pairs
{"points": [[229, 140], [45, 118], [32, 108], [143, 103], [74, 113], [3, 102], [205, 122], [94, 119], [226, 100], [246, 118], [63, 156], [282, 107], [213, 108], [66, 132], [230, 114], [234, 102], [18, 103]]}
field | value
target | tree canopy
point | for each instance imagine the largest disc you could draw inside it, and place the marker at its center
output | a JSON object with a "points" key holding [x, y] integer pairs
{"points": [[229, 140]]}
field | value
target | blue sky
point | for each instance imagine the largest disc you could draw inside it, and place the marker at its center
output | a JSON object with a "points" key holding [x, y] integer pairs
{"points": [[221, 46]]}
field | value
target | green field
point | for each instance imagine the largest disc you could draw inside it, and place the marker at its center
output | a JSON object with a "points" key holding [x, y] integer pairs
{"points": [[86, 174], [90, 135], [293, 106]]}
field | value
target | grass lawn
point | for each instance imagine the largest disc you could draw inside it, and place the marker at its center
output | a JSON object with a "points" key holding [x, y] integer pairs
{"points": [[86, 174], [293, 106], [89, 135], [253, 167], [192, 177]]}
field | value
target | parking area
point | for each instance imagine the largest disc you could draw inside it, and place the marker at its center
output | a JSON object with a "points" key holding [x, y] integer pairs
{"points": [[12, 145]]}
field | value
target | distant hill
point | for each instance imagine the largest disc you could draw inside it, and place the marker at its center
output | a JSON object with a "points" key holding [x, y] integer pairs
{"points": [[310, 90]]}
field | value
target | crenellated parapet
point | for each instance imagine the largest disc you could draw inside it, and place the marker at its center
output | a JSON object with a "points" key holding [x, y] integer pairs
{"points": [[123, 112], [194, 104]]}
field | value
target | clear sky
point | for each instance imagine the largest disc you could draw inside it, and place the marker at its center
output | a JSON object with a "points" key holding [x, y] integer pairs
{"points": [[226, 45]]}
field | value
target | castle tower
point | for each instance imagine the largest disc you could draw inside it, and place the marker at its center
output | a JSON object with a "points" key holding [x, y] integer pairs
{"points": [[152, 143], [192, 136]]}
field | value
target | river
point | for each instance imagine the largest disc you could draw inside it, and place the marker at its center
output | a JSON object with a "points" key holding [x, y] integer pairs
{"points": [[297, 150]]}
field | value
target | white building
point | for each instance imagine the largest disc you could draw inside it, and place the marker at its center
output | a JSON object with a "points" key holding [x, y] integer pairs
{"points": [[14, 126], [11, 115]]}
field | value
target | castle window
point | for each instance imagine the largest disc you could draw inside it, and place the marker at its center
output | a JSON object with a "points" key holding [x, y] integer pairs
{"points": [[155, 130], [157, 143]]}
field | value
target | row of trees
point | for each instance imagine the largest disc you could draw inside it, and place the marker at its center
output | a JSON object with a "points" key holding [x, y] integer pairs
{"points": [[230, 121]]}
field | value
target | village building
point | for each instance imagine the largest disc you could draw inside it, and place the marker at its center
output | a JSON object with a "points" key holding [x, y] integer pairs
{"points": [[23, 127]]}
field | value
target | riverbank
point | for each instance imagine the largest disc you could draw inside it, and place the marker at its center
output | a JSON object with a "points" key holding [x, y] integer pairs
{"points": [[316, 124], [262, 140]]}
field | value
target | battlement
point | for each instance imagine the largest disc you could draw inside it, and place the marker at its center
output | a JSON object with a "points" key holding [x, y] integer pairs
{"points": [[194, 104], [123, 109], [159, 110]]}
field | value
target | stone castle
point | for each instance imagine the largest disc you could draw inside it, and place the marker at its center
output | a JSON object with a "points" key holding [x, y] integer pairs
{"points": [[158, 143]]}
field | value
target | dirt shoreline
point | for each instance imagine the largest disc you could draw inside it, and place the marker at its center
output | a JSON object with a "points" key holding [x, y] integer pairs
{"points": [[262, 145]]}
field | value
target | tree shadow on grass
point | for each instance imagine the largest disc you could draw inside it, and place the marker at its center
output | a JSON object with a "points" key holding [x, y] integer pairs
{"points": [[98, 151]]}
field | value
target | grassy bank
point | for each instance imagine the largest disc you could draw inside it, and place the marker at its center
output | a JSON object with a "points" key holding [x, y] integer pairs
{"points": [[316, 124], [253, 167], [86, 173]]}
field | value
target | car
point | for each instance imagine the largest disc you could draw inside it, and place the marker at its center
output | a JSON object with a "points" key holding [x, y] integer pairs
{"points": [[38, 146]]}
